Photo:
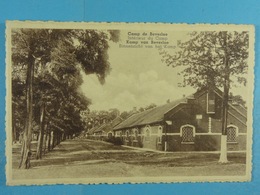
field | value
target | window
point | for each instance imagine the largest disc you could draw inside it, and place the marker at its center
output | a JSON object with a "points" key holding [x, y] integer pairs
{"points": [[135, 134], [210, 102], [187, 134], [147, 133], [160, 134], [232, 132], [198, 116], [110, 135], [127, 135]]}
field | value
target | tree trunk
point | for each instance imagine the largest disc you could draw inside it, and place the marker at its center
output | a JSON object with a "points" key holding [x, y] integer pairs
{"points": [[14, 138], [53, 139], [62, 136], [45, 139], [41, 133], [14, 132], [49, 140], [44, 144], [59, 137], [223, 147], [27, 137]]}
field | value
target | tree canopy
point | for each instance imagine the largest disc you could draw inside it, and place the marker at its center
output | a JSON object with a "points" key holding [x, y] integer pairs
{"points": [[204, 55], [47, 67]]}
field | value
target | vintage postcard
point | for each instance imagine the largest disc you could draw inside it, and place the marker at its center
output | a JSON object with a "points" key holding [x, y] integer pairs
{"points": [[91, 103]]}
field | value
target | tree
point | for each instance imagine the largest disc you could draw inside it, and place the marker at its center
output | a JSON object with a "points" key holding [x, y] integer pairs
{"points": [[66, 52], [40, 139], [124, 115], [237, 99], [31, 49], [23, 53], [18, 103], [212, 59], [113, 113], [152, 105]]}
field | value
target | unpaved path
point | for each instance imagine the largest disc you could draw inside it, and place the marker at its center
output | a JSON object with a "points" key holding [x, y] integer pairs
{"points": [[94, 159]]}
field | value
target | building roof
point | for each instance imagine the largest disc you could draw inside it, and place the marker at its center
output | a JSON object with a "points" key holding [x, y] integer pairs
{"points": [[156, 114], [149, 116], [106, 127], [240, 108], [91, 131], [237, 107]]}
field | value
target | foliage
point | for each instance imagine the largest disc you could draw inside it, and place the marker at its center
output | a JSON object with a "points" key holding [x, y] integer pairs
{"points": [[213, 59], [60, 55], [50, 62], [96, 118], [237, 99], [204, 55], [124, 115]]}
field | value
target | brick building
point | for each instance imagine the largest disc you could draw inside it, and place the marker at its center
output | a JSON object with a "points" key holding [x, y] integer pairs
{"points": [[188, 124], [105, 130]]}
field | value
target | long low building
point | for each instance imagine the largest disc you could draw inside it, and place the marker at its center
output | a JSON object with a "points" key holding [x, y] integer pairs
{"points": [[105, 130], [189, 124]]}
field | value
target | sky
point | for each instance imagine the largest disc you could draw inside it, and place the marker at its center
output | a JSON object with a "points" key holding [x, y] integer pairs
{"points": [[138, 77]]}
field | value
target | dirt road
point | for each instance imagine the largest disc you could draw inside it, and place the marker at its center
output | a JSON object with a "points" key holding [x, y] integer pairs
{"points": [[87, 158]]}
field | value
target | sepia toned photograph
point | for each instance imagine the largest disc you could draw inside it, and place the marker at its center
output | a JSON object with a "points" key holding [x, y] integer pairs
{"points": [[91, 103]]}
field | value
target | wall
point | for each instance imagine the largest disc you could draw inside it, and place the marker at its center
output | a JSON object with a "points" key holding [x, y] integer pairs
{"points": [[206, 138], [143, 140], [151, 140]]}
